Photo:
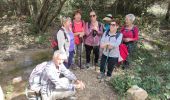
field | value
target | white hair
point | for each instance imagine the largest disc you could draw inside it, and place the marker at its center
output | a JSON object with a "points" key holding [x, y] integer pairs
{"points": [[65, 19], [131, 17], [60, 54]]}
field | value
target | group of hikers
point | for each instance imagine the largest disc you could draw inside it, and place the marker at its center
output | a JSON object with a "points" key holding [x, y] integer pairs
{"points": [[53, 80]]}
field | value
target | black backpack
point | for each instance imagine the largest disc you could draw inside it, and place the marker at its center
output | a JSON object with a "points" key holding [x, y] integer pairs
{"points": [[54, 41]]}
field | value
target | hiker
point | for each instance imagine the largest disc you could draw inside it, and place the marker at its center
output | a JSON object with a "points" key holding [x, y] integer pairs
{"points": [[78, 27], [52, 86], [110, 42], [130, 35], [107, 20], [66, 40], [93, 33]]}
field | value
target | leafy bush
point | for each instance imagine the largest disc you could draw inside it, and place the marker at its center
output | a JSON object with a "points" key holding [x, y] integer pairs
{"points": [[151, 84], [122, 83]]}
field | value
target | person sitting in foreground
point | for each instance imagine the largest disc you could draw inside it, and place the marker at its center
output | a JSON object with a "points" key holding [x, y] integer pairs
{"points": [[52, 85]]}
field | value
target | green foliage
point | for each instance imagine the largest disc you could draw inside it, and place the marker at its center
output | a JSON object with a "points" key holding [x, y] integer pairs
{"points": [[122, 83], [43, 39], [151, 84]]}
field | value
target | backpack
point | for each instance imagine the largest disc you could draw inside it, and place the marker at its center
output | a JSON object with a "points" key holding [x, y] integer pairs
{"points": [[35, 77], [122, 48], [54, 41], [117, 35], [133, 32]]}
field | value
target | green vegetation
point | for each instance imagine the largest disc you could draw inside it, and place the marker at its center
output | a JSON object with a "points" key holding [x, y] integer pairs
{"points": [[150, 67]]}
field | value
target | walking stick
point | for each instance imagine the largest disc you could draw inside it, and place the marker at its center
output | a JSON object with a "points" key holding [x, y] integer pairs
{"points": [[80, 52]]}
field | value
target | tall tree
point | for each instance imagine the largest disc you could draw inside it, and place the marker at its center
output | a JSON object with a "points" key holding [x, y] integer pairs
{"points": [[49, 11], [168, 12]]}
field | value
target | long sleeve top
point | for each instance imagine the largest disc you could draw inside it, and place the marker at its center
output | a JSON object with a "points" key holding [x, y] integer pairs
{"points": [[89, 39], [111, 39], [50, 78]]}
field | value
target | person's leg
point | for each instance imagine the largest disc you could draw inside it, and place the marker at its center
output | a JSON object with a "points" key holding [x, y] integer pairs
{"points": [[62, 93], [130, 47], [88, 52], [103, 65], [111, 64], [96, 53], [70, 58], [44, 97]]}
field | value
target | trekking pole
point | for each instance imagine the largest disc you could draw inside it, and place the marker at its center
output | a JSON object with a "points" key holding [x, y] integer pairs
{"points": [[80, 52], [105, 62], [93, 53]]}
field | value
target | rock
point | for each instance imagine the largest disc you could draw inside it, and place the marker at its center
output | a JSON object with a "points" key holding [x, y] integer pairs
{"points": [[13, 17], [1, 94], [16, 80], [4, 17], [8, 57], [136, 93]]}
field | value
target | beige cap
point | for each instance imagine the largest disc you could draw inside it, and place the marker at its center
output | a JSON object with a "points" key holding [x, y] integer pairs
{"points": [[108, 17]]}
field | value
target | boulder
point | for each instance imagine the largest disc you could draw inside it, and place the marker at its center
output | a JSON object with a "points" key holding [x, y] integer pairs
{"points": [[136, 93], [17, 80]]}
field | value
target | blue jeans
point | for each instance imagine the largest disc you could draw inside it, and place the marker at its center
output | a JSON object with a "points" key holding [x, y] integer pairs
{"points": [[70, 59]]}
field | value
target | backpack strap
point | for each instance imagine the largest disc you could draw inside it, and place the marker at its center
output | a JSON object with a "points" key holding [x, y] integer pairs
{"points": [[99, 25], [118, 34], [65, 36], [133, 32], [107, 32], [72, 25]]}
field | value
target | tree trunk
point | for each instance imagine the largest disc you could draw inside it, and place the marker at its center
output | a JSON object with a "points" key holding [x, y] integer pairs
{"points": [[54, 15], [24, 7], [168, 12]]}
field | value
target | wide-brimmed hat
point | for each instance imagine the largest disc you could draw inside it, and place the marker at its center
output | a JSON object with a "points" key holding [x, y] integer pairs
{"points": [[108, 17]]}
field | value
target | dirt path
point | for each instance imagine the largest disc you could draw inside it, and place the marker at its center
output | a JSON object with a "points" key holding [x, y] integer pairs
{"points": [[94, 90]]}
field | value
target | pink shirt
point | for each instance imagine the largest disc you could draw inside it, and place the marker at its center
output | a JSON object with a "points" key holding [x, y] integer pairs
{"points": [[78, 27]]}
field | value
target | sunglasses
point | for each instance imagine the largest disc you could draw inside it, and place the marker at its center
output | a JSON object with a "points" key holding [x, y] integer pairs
{"points": [[113, 25], [92, 15]]}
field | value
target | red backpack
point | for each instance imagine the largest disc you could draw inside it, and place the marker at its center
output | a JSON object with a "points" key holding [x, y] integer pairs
{"points": [[54, 41]]}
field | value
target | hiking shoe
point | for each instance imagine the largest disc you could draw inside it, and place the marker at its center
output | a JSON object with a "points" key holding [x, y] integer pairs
{"points": [[73, 66], [82, 67], [100, 76], [96, 64], [87, 65], [107, 79], [73, 98]]}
